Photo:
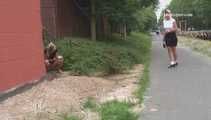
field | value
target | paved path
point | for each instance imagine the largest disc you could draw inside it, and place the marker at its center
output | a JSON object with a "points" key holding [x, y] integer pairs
{"points": [[183, 93]]}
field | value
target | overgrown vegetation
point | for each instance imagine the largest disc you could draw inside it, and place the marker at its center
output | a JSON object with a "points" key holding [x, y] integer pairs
{"points": [[145, 78], [198, 45], [85, 57], [115, 110], [199, 8], [144, 83]]}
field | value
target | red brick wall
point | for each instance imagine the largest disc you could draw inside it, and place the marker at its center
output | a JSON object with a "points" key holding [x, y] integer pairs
{"points": [[21, 49]]}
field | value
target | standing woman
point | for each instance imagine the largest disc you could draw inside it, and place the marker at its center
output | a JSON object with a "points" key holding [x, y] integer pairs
{"points": [[170, 37]]}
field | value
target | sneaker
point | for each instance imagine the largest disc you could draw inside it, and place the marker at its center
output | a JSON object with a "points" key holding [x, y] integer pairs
{"points": [[172, 65]]}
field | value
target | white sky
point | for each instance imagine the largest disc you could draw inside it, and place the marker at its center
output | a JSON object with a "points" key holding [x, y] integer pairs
{"points": [[163, 4]]}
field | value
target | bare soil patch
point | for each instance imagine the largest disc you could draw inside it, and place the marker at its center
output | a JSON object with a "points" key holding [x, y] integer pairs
{"points": [[65, 94]]}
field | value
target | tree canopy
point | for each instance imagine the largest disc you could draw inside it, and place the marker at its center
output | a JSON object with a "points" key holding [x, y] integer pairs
{"points": [[125, 11], [199, 8], [135, 14]]}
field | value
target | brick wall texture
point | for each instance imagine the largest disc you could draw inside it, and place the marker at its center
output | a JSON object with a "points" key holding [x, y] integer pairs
{"points": [[21, 48]]}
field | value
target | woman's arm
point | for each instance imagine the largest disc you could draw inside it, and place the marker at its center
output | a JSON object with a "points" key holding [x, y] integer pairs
{"points": [[174, 29]]}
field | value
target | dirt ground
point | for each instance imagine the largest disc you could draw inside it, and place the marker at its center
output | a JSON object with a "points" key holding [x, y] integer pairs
{"points": [[50, 100]]}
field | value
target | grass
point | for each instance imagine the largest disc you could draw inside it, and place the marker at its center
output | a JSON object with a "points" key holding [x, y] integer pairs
{"points": [[90, 103], [143, 84], [71, 117], [113, 56], [86, 57], [145, 78], [198, 45], [115, 110]]}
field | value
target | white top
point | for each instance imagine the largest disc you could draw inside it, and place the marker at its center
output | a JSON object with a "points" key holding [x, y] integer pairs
{"points": [[168, 24]]}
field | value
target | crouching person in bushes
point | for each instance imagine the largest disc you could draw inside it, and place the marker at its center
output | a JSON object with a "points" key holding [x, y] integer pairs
{"points": [[53, 61]]}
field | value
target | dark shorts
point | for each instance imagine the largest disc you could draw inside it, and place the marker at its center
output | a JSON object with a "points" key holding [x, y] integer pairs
{"points": [[171, 39]]}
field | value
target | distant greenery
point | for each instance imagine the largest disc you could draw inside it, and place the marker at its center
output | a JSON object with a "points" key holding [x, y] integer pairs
{"points": [[85, 57], [199, 8], [145, 19], [117, 16], [129, 12], [115, 110]]}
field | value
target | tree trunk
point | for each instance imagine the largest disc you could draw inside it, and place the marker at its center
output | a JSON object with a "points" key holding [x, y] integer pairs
{"points": [[105, 27], [125, 31], [93, 20]]}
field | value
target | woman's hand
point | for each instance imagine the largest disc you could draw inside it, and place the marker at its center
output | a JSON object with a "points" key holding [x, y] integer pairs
{"points": [[167, 31], [170, 30]]}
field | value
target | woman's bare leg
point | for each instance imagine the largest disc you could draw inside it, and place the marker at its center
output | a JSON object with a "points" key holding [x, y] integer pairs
{"points": [[170, 54], [174, 53]]}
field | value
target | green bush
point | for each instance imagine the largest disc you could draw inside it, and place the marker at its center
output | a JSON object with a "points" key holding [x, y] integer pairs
{"points": [[115, 110], [85, 57]]}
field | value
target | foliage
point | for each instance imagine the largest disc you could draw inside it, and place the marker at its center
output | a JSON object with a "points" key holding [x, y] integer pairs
{"points": [[199, 8], [127, 12], [145, 19], [90, 103], [115, 110], [117, 11], [145, 78], [84, 57]]}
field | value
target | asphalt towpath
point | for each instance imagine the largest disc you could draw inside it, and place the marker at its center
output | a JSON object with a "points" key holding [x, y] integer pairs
{"points": [[181, 93]]}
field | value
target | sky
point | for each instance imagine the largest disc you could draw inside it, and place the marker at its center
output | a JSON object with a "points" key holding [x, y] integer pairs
{"points": [[163, 4]]}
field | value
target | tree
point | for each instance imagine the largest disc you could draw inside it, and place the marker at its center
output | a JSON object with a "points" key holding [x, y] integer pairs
{"points": [[199, 8], [123, 13], [93, 19], [117, 15], [146, 19]]}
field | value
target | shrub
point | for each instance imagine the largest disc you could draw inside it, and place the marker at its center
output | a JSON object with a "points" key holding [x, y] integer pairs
{"points": [[85, 57], [115, 110]]}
